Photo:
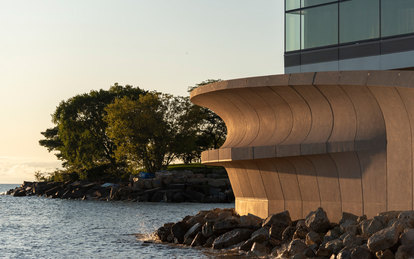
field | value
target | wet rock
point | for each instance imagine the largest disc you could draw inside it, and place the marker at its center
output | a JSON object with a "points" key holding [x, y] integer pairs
{"points": [[260, 235], [318, 221], [178, 231], [232, 237], [282, 218], [198, 240], [385, 238], [387, 254], [313, 238], [19, 193], [405, 252], [164, 231]]}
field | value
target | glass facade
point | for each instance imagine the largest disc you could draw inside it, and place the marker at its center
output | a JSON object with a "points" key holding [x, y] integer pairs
{"points": [[359, 20], [319, 26], [318, 23], [397, 17]]}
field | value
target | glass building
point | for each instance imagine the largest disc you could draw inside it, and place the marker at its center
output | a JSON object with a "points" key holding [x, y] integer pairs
{"points": [[327, 35]]}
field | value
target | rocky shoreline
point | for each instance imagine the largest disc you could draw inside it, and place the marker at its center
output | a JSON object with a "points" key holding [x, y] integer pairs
{"points": [[388, 235], [167, 186]]}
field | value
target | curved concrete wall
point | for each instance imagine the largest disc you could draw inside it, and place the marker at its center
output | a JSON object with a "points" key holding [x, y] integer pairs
{"points": [[340, 140]]}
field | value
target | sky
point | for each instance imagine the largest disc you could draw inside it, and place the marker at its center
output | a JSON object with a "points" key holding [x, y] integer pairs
{"points": [[51, 50]]}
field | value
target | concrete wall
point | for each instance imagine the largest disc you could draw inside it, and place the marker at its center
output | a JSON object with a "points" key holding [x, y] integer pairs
{"points": [[340, 140]]}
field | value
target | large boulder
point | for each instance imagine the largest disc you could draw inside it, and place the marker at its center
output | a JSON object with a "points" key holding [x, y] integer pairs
{"points": [[405, 252], [371, 226], [193, 231], [225, 225], [318, 221], [232, 237], [178, 231], [282, 218], [385, 238]]}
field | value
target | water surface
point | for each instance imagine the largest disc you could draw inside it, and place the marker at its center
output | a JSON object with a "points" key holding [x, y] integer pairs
{"points": [[36, 227]]}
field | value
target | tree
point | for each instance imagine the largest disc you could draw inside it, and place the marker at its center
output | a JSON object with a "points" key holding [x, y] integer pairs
{"points": [[79, 137], [143, 130]]}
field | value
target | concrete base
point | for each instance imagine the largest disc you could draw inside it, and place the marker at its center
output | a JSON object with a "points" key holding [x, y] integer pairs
{"points": [[340, 140]]}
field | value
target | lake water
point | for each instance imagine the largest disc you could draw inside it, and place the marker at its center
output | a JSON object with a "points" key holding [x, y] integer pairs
{"points": [[37, 227]]}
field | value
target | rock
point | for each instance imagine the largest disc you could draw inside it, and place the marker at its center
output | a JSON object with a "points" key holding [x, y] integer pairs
{"points": [[259, 249], [405, 252], [19, 193], [332, 234], [407, 218], [369, 227], [192, 232], [218, 183], [344, 254], [232, 237], [209, 241], [348, 217], [313, 238], [352, 241], [207, 229], [296, 246], [164, 231], [323, 252], [250, 221], [288, 233], [247, 245], [178, 231], [198, 240], [198, 218], [407, 238], [276, 230], [282, 218], [334, 246], [225, 225], [260, 235], [318, 221], [390, 215], [300, 232], [157, 196], [361, 252], [387, 254], [385, 238]]}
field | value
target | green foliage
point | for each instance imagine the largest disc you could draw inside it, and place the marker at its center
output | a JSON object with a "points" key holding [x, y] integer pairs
{"points": [[142, 130], [109, 134], [79, 137]]}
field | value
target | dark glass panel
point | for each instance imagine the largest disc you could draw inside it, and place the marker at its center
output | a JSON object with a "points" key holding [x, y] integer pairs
{"points": [[397, 17], [320, 26], [359, 20]]}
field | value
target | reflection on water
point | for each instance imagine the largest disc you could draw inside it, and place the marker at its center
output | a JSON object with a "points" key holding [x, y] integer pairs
{"points": [[34, 227]]}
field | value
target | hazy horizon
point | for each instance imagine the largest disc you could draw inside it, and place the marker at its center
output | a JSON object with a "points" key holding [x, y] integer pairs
{"points": [[53, 50]]}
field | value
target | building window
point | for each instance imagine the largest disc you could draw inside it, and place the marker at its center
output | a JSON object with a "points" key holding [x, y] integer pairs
{"points": [[359, 20], [307, 3], [292, 31], [319, 26], [397, 17], [292, 4]]}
